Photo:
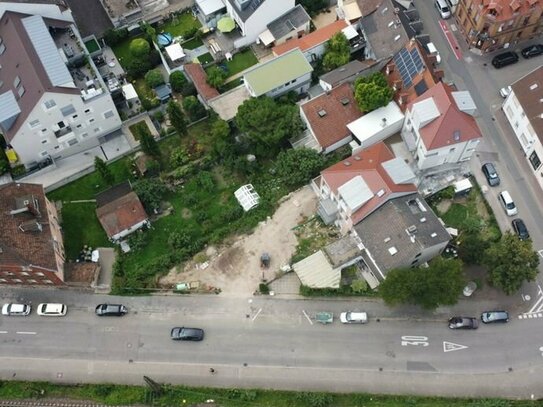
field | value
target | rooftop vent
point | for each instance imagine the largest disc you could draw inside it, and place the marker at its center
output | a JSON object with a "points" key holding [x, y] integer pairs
{"points": [[380, 193], [392, 250], [30, 226], [396, 38], [412, 229], [383, 11], [390, 24], [433, 234], [321, 113], [346, 163], [533, 87], [387, 239], [357, 158], [345, 101]]}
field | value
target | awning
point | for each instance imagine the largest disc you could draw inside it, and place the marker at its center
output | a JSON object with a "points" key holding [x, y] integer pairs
{"points": [[226, 24], [129, 92], [316, 271], [175, 52], [350, 32], [266, 37]]}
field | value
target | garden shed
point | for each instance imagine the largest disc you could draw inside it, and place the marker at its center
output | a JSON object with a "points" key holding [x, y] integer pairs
{"points": [[175, 52], [247, 197]]}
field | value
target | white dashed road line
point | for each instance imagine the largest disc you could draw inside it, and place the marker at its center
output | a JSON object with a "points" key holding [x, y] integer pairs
{"points": [[3, 332], [26, 333], [307, 316]]}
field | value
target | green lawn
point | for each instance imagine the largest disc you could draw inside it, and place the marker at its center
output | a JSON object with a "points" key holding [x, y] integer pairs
{"points": [[192, 43], [205, 58], [180, 25], [133, 128], [241, 61], [122, 51]]}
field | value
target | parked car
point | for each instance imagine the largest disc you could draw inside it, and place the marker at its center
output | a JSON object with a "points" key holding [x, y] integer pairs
{"points": [[351, 317], [520, 229], [491, 174], [106, 310], [187, 334], [16, 310], [433, 51], [443, 9], [52, 310], [532, 51], [463, 323], [505, 91], [508, 203], [504, 59], [489, 317]]}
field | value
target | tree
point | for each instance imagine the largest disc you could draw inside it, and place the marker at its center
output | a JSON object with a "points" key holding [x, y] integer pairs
{"points": [[439, 284], [150, 192], [220, 133], [372, 92], [178, 81], [139, 48], [177, 118], [147, 142], [337, 52], [103, 170], [510, 262], [112, 36], [471, 248], [149, 31], [298, 166], [268, 123], [216, 77], [313, 6], [154, 78], [194, 108]]}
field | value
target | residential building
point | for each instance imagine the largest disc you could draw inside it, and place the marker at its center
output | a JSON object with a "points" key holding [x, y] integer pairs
{"points": [[440, 129], [293, 24], [491, 25], [53, 101], [120, 212], [326, 118], [209, 12], [413, 235], [31, 243], [352, 189], [253, 16], [286, 73], [524, 111], [347, 73]]}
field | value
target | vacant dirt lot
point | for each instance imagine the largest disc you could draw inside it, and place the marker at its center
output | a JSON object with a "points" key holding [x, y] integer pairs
{"points": [[235, 268]]}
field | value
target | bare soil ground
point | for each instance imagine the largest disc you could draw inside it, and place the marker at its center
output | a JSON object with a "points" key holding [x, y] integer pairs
{"points": [[235, 268]]}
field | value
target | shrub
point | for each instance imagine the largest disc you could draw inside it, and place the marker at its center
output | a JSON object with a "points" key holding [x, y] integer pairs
{"points": [[359, 286], [263, 288], [194, 108], [179, 157], [188, 90], [112, 37], [177, 81], [216, 77], [154, 78], [159, 116], [205, 181], [139, 48], [179, 240]]}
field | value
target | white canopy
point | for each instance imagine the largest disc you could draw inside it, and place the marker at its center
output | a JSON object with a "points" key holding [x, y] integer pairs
{"points": [[266, 37], [129, 92], [175, 51]]}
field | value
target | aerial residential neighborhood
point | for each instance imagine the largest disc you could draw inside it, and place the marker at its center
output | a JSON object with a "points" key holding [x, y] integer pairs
{"points": [[271, 202]]}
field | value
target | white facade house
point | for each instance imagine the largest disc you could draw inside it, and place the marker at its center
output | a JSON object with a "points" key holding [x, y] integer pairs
{"points": [[440, 129], [524, 111], [253, 16]]}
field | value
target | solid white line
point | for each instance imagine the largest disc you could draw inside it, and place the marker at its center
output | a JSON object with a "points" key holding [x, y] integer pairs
{"points": [[3, 332], [538, 303], [307, 316], [26, 333], [259, 311], [540, 291]]}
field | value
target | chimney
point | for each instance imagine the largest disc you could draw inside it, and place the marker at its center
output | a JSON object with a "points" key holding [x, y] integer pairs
{"points": [[390, 68], [398, 84], [383, 122], [439, 74], [402, 99]]}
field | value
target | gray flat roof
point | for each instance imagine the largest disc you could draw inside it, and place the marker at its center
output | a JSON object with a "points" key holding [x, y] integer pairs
{"points": [[247, 11], [288, 22], [90, 17]]}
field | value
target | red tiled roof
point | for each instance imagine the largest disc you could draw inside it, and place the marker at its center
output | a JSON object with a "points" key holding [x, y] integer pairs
{"points": [[312, 39], [121, 214], [199, 77], [367, 164], [505, 9], [332, 127], [441, 131]]}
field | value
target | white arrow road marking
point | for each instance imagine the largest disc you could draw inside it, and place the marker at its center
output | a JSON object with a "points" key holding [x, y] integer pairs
{"points": [[451, 347], [26, 333]]}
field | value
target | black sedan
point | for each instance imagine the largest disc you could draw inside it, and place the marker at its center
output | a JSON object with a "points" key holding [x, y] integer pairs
{"points": [[520, 229], [111, 310], [532, 51], [463, 323], [187, 334]]}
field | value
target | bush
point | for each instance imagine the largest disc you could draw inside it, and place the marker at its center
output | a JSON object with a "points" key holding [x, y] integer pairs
{"points": [[205, 181], [179, 157], [113, 37], [178, 81], [194, 108], [179, 240], [263, 288], [216, 77], [154, 78], [188, 90], [190, 32], [359, 286], [159, 116], [139, 48], [18, 170]]}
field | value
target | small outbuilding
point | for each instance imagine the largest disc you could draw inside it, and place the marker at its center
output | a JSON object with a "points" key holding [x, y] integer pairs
{"points": [[247, 197]]}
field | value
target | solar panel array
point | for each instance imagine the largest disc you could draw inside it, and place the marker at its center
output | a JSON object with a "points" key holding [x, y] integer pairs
{"points": [[409, 63]]}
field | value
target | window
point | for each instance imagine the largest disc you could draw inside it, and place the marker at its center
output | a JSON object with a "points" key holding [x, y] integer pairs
{"points": [[74, 116], [44, 154], [21, 91], [44, 141], [108, 114], [97, 130], [61, 124], [84, 134], [72, 142], [535, 161], [2, 49], [49, 104], [67, 110], [91, 120], [16, 280], [16, 82], [87, 111], [78, 126], [34, 123]]}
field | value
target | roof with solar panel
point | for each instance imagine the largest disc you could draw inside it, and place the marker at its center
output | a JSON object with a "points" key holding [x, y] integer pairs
{"points": [[410, 64]]}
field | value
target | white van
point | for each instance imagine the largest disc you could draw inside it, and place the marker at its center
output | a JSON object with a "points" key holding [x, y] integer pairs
{"points": [[443, 9], [507, 203], [433, 51], [351, 317]]}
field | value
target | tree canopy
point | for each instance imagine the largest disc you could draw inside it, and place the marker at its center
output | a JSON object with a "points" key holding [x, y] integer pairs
{"points": [[216, 77], [177, 117], [139, 47], [268, 123], [194, 108], [337, 52], [103, 170], [510, 262], [150, 192], [147, 141], [439, 284], [154, 78], [298, 166], [177, 81], [372, 92]]}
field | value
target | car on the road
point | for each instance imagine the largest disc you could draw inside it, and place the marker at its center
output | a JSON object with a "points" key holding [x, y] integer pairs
{"points": [[508, 203], [505, 91], [443, 9], [489, 317], [187, 334], [520, 229], [114, 310], [18, 310], [504, 59], [353, 317], [491, 174], [532, 51], [52, 310], [463, 323]]}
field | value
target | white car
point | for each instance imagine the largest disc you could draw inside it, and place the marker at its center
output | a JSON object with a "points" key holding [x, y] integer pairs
{"points": [[433, 51], [504, 92], [52, 310], [508, 204], [351, 317], [16, 310]]}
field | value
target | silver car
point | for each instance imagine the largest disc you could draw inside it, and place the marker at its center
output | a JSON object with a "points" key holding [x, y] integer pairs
{"points": [[19, 310]]}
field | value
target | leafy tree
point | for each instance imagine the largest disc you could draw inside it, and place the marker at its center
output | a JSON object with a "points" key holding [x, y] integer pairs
{"points": [[337, 52], [177, 117], [313, 6], [216, 77], [511, 261], [359, 286], [154, 78], [112, 36], [268, 123], [220, 133], [150, 192], [147, 142], [194, 108], [297, 166], [178, 81], [149, 31], [439, 284], [137, 68], [372, 92], [103, 170], [472, 246], [139, 48]]}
